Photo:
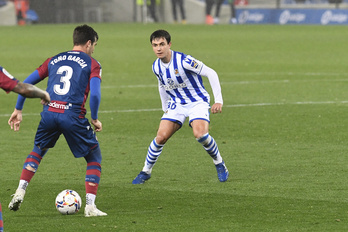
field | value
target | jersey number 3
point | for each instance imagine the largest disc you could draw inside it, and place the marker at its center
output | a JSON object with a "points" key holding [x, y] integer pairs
{"points": [[66, 72]]}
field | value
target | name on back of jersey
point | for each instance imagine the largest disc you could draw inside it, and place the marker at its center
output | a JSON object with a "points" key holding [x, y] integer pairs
{"points": [[76, 59]]}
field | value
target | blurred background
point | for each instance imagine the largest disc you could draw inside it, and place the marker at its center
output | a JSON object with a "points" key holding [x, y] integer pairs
{"points": [[24, 12]]}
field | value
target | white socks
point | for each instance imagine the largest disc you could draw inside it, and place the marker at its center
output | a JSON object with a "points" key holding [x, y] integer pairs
{"points": [[90, 199]]}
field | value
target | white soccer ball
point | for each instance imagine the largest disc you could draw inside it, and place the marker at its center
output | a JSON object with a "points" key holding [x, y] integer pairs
{"points": [[68, 202]]}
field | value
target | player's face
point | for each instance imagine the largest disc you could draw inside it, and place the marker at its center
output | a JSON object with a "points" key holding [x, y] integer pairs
{"points": [[162, 49]]}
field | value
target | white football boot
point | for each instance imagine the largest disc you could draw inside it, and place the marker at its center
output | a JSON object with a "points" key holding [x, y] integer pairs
{"points": [[92, 211], [17, 199]]}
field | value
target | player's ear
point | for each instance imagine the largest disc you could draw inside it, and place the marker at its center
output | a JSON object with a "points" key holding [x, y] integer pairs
{"points": [[89, 43]]}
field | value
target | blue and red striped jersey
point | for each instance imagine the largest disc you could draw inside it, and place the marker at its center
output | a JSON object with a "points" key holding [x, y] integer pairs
{"points": [[69, 75]]}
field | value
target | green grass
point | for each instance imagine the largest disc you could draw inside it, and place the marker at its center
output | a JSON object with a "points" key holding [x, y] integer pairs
{"points": [[282, 133]]}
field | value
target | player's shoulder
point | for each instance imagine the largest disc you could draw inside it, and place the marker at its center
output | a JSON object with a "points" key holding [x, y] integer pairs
{"points": [[156, 61], [191, 63], [155, 64], [4, 73], [95, 61]]}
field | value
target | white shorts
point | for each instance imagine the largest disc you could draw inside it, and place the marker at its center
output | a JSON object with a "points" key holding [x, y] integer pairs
{"points": [[194, 111]]}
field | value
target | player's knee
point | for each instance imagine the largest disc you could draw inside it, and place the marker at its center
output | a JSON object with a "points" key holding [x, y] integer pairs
{"points": [[94, 155], [203, 138], [199, 128], [199, 134], [161, 139], [40, 151]]}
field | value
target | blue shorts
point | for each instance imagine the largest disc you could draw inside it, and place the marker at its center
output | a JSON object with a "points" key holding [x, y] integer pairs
{"points": [[78, 132]]}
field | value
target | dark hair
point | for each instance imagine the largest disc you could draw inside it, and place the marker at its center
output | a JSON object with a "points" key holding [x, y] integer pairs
{"points": [[84, 33], [160, 34]]}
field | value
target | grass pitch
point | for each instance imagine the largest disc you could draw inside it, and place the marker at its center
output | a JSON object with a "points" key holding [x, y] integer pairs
{"points": [[282, 133]]}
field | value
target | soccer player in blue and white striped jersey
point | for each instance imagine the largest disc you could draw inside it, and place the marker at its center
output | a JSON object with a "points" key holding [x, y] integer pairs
{"points": [[183, 96]]}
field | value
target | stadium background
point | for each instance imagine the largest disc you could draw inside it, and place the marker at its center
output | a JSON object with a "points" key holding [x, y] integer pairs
{"points": [[259, 11]]}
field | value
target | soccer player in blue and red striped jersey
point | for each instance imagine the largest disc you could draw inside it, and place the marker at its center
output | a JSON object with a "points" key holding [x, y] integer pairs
{"points": [[72, 75], [8, 83], [183, 96]]}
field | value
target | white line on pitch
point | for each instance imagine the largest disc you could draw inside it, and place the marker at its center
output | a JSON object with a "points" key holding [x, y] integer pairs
{"points": [[226, 106], [234, 83], [287, 103]]}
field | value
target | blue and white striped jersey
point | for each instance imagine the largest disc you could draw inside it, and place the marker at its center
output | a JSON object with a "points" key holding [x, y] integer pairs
{"points": [[181, 78]]}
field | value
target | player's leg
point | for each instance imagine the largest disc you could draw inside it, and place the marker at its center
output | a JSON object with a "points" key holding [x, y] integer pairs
{"points": [[93, 172], [217, 11], [153, 10], [182, 10], [208, 7], [45, 138], [218, 8], [30, 167], [166, 129], [199, 121], [233, 19], [175, 15], [171, 121], [200, 131], [82, 142]]}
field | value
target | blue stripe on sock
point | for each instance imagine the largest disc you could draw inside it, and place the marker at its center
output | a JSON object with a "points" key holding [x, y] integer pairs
{"points": [[94, 167], [202, 139], [156, 145], [92, 178]]}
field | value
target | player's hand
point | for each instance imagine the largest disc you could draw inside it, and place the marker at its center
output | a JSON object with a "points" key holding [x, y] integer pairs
{"points": [[216, 108], [45, 100], [15, 120], [97, 125]]}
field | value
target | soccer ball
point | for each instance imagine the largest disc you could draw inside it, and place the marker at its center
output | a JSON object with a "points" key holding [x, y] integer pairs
{"points": [[68, 202]]}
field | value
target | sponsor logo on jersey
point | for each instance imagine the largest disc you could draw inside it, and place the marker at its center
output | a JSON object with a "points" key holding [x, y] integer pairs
{"points": [[59, 106], [171, 85], [170, 81]]}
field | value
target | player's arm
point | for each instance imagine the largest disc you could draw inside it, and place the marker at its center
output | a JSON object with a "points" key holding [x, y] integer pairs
{"points": [[216, 87], [31, 91], [198, 67], [164, 97], [16, 116], [94, 102], [31, 79]]}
